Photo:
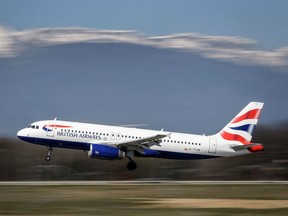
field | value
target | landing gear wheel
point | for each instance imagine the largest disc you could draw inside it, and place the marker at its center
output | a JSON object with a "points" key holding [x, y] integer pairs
{"points": [[47, 158], [131, 165]]}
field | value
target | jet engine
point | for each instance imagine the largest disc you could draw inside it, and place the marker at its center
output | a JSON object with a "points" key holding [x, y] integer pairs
{"points": [[105, 152]]}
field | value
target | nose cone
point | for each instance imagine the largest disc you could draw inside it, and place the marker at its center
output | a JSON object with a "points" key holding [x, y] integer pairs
{"points": [[22, 134]]}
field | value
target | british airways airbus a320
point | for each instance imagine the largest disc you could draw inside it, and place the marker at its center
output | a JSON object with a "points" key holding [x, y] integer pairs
{"points": [[114, 142]]}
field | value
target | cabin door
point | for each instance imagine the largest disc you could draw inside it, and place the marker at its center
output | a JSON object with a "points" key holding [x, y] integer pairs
{"points": [[212, 146]]}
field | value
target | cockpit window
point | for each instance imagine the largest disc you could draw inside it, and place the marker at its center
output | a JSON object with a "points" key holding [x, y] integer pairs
{"points": [[33, 126]]}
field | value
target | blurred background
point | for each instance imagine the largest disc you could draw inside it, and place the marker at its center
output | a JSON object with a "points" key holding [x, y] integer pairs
{"points": [[185, 66]]}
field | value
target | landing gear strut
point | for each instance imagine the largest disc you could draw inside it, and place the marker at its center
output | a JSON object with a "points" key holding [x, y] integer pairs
{"points": [[131, 165], [48, 157]]}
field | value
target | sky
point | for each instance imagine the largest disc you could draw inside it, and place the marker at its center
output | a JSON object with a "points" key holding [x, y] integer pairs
{"points": [[262, 20], [183, 65]]}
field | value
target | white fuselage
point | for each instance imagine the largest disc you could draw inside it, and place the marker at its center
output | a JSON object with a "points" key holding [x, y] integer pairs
{"points": [[112, 142], [74, 135]]}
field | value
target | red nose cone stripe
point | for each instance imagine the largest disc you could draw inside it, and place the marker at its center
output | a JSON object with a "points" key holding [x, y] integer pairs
{"points": [[252, 114]]}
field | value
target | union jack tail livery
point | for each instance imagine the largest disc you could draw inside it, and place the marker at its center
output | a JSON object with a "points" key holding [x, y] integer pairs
{"points": [[240, 129]]}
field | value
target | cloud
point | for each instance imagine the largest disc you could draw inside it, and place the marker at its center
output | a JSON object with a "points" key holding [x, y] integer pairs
{"points": [[233, 49], [7, 46]]}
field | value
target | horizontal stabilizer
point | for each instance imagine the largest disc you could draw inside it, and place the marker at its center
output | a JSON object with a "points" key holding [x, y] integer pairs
{"points": [[250, 147]]}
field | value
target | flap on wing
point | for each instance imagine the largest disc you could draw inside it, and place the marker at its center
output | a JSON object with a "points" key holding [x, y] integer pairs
{"points": [[246, 146], [145, 142]]}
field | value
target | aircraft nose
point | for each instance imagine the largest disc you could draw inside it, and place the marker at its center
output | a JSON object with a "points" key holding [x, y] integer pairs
{"points": [[22, 133]]}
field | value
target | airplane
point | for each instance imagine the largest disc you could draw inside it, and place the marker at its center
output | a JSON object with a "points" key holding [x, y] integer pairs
{"points": [[115, 142]]}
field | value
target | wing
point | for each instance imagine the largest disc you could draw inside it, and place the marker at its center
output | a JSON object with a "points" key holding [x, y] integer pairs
{"points": [[141, 144]]}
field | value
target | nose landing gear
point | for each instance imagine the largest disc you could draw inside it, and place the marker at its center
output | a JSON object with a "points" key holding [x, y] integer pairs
{"points": [[48, 157]]}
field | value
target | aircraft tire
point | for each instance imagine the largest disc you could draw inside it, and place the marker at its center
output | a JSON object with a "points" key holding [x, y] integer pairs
{"points": [[47, 158], [131, 165]]}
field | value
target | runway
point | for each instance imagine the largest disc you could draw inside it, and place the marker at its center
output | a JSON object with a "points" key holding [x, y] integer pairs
{"points": [[153, 197], [154, 182]]}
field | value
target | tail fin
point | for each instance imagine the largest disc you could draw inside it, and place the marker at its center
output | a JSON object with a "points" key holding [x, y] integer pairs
{"points": [[242, 126]]}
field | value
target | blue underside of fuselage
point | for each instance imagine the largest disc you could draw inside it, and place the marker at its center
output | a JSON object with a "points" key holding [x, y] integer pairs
{"points": [[86, 147]]}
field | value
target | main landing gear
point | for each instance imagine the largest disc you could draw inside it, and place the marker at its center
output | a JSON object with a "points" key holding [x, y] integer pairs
{"points": [[131, 165], [48, 157]]}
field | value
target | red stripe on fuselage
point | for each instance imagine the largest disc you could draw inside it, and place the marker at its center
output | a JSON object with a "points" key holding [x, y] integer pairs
{"points": [[252, 114], [57, 126]]}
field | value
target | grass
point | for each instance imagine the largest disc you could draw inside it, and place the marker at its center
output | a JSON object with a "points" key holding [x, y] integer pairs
{"points": [[134, 199]]}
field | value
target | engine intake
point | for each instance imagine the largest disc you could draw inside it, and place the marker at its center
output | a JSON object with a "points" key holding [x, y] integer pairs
{"points": [[105, 152]]}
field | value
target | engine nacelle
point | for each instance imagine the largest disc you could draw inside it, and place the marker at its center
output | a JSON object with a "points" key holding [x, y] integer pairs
{"points": [[105, 152]]}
